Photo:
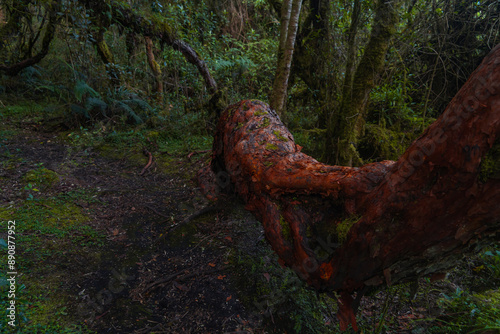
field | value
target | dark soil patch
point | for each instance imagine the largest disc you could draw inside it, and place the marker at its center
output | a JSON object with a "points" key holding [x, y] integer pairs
{"points": [[145, 278]]}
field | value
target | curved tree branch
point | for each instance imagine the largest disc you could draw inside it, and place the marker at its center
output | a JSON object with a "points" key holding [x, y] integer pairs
{"points": [[351, 229], [158, 29], [50, 29]]}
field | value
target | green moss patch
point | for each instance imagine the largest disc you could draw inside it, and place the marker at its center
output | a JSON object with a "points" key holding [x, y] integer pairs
{"points": [[382, 143], [42, 177], [490, 164], [271, 147], [265, 122], [278, 134], [50, 233], [285, 229], [344, 226], [260, 113]]}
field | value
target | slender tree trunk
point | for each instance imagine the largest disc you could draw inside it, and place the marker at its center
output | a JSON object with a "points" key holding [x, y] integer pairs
{"points": [[155, 68], [107, 58], [351, 229], [347, 125], [286, 12], [351, 47], [313, 57], [290, 13]]}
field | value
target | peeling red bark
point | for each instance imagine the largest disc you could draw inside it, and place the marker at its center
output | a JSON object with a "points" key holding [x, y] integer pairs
{"points": [[405, 219]]}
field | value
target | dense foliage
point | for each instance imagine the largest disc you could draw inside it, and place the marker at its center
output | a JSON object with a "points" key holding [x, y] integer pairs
{"points": [[98, 67]]}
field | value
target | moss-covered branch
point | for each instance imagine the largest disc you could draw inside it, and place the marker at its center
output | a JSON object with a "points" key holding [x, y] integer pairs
{"points": [[50, 30], [156, 28], [107, 57]]}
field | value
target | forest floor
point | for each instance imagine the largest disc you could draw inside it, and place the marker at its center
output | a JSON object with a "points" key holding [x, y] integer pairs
{"points": [[104, 245]]}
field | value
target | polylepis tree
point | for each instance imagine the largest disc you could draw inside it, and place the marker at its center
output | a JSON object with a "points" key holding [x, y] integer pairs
{"points": [[353, 229]]}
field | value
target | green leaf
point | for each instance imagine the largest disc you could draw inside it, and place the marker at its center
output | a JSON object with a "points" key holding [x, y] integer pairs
{"points": [[3, 243]]}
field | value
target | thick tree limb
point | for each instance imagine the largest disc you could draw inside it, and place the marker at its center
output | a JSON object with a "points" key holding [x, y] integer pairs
{"points": [[155, 29], [348, 229]]}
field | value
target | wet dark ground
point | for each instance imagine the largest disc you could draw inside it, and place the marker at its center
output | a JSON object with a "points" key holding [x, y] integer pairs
{"points": [[159, 270]]}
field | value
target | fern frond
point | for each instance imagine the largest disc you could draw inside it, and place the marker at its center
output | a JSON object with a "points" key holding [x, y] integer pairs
{"points": [[129, 112], [139, 103], [92, 103], [81, 88]]}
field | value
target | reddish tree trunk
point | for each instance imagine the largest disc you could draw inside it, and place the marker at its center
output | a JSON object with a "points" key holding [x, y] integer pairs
{"points": [[350, 229]]}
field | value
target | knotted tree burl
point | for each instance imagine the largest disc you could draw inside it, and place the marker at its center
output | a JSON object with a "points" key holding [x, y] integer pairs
{"points": [[352, 229]]}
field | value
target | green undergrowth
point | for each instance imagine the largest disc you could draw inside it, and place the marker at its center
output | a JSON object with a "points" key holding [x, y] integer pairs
{"points": [[383, 143], [474, 305], [168, 150], [285, 302], [467, 312], [23, 110], [50, 231], [42, 177]]}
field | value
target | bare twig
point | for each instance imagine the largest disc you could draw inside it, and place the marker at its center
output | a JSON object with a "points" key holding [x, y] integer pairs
{"points": [[199, 213], [102, 315], [185, 221], [177, 276], [150, 161], [155, 211], [197, 152]]}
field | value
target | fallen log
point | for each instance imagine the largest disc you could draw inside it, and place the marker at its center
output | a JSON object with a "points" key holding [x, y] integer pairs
{"points": [[349, 229]]}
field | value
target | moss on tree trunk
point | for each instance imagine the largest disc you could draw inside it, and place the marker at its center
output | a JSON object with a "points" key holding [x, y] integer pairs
{"points": [[346, 126], [107, 58], [155, 68]]}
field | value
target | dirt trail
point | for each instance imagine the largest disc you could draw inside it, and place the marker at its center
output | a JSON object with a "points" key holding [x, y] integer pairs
{"points": [[152, 274]]}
